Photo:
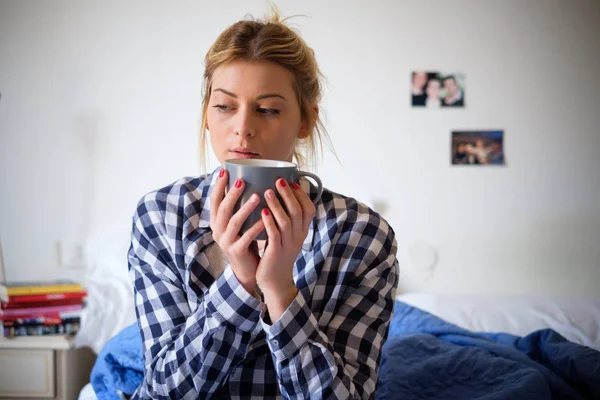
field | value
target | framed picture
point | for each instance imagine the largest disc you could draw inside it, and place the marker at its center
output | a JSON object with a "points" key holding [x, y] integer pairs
{"points": [[477, 148], [434, 89]]}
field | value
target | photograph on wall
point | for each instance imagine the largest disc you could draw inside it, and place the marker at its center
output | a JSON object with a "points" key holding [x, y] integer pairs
{"points": [[437, 89], [477, 148]]}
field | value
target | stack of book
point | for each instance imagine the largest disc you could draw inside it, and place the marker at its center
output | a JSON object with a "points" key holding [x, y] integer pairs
{"points": [[42, 308]]}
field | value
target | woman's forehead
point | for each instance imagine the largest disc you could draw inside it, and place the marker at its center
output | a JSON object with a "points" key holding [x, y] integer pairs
{"points": [[244, 78]]}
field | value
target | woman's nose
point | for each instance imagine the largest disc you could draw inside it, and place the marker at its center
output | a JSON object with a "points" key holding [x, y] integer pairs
{"points": [[244, 124]]}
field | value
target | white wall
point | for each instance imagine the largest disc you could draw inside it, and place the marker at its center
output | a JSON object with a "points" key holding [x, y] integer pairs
{"points": [[100, 104]]}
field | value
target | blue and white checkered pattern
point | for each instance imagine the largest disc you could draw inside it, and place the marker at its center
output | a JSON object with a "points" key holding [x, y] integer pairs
{"points": [[205, 336]]}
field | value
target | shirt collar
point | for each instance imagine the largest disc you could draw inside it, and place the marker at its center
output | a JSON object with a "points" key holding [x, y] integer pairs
{"points": [[204, 221]]}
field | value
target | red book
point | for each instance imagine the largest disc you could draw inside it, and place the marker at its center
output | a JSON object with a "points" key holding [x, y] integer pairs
{"points": [[41, 310], [48, 303], [36, 298], [50, 319], [40, 313], [18, 318]]}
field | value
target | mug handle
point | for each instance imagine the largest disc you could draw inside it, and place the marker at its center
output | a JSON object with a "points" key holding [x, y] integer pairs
{"points": [[316, 179]]}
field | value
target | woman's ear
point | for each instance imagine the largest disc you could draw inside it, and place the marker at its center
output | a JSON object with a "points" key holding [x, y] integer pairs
{"points": [[304, 127]]}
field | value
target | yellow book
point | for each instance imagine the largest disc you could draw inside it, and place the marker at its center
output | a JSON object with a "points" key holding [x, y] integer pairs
{"points": [[25, 288]]}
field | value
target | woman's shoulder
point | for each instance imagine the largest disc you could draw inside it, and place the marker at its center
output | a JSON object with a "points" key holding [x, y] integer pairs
{"points": [[349, 214], [180, 197], [351, 230]]}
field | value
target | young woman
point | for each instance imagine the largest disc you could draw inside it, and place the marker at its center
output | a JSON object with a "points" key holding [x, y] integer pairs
{"points": [[302, 315]]}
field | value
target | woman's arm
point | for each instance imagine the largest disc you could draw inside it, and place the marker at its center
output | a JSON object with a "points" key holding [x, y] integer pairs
{"points": [[188, 353], [340, 360]]}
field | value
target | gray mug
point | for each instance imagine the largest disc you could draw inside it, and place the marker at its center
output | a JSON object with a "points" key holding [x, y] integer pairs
{"points": [[260, 175]]}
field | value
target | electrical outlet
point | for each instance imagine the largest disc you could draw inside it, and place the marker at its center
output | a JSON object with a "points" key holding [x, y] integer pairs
{"points": [[70, 254]]}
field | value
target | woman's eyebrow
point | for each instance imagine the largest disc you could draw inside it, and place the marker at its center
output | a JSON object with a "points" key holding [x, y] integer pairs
{"points": [[267, 95], [226, 92], [260, 97]]}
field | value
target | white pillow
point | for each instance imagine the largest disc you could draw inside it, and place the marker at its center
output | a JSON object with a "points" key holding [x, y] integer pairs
{"points": [[110, 306], [577, 319]]}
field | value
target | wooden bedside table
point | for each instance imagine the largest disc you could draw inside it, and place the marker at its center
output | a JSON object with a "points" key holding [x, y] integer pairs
{"points": [[43, 367]]}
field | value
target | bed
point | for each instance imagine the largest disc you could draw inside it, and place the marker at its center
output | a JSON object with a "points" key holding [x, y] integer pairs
{"points": [[461, 340], [110, 308]]}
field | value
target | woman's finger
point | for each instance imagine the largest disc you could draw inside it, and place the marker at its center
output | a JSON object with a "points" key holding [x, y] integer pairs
{"points": [[272, 231], [226, 207], [248, 237], [308, 207], [279, 215], [294, 210], [216, 196], [235, 223]]}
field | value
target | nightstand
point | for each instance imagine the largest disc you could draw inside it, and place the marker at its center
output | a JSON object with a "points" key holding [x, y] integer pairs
{"points": [[43, 367]]}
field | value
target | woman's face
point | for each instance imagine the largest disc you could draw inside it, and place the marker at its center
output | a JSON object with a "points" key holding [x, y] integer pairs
{"points": [[253, 112], [433, 89]]}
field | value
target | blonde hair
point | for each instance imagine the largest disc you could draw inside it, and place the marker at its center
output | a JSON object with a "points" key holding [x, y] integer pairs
{"points": [[271, 40]]}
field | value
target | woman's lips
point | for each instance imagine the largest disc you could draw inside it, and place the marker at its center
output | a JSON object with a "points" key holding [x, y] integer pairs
{"points": [[239, 154]]}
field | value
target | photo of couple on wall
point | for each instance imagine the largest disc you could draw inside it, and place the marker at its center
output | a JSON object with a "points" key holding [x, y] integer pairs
{"points": [[437, 90], [477, 148]]}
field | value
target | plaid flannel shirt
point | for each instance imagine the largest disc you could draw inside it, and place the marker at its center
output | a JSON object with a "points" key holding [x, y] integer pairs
{"points": [[205, 336]]}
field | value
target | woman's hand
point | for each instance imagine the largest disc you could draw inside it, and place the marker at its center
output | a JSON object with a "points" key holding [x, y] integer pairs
{"points": [[286, 233], [226, 228]]}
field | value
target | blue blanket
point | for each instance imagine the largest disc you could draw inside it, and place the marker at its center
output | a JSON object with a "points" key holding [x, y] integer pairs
{"points": [[120, 365], [426, 357]]}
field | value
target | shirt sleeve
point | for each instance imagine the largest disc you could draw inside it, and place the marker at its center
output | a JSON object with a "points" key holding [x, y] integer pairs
{"points": [[188, 353], [339, 360]]}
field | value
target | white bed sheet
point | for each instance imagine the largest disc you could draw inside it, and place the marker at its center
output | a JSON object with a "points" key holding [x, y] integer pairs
{"points": [[577, 319], [87, 393]]}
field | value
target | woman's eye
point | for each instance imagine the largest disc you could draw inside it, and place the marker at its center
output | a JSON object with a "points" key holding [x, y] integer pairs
{"points": [[268, 111], [222, 107]]}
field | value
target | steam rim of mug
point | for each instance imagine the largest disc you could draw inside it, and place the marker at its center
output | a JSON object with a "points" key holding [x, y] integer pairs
{"points": [[259, 162]]}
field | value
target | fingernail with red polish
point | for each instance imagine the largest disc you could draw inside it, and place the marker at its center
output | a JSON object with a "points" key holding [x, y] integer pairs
{"points": [[295, 186], [282, 183], [238, 183], [265, 212], [221, 173]]}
